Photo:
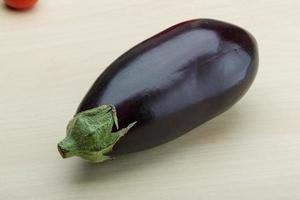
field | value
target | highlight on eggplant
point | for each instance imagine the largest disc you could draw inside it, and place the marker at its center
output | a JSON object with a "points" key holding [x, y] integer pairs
{"points": [[162, 88]]}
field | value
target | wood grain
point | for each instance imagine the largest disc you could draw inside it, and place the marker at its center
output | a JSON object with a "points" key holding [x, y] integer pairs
{"points": [[51, 55]]}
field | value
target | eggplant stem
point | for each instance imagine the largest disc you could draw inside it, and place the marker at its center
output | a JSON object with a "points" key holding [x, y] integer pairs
{"points": [[90, 136]]}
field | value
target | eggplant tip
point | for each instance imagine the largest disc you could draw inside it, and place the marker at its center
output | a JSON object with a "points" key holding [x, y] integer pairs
{"points": [[61, 151]]}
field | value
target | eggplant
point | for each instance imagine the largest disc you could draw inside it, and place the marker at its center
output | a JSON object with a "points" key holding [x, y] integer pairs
{"points": [[162, 88]]}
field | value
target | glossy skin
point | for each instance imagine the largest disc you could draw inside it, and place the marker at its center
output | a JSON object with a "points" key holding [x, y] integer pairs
{"points": [[175, 81], [20, 4]]}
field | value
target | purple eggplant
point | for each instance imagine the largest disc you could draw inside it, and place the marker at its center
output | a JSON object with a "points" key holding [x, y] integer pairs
{"points": [[162, 88]]}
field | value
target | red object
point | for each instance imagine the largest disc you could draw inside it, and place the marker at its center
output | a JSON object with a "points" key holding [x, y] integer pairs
{"points": [[20, 4]]}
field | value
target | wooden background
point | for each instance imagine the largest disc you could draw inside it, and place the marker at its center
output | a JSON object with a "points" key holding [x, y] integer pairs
{"points": [[50, 56]]}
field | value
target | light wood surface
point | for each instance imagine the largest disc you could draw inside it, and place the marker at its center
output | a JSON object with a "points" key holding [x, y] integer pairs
{"points": [[51, 55]]}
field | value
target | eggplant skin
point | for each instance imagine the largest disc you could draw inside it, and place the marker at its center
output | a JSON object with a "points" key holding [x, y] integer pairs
{"points": [[175, 81]]}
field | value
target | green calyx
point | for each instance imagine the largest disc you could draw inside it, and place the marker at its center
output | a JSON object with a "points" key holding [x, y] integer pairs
{"points": [[90, 136]]}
